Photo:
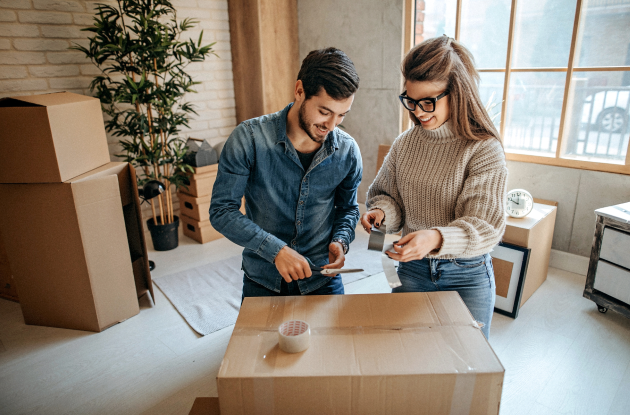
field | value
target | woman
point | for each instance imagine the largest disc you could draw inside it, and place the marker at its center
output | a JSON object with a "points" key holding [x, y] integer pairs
{"points": [[444, 181]]}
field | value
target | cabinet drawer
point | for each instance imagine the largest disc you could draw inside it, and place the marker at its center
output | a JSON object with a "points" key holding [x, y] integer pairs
{"points": [[616, 247], [613, 280]]}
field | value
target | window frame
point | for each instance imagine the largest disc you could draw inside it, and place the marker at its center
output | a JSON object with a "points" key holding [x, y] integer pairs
{"points": [[409, 15]]}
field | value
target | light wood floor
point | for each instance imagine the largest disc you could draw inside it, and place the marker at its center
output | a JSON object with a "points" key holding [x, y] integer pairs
{"points": [[561, 356]]}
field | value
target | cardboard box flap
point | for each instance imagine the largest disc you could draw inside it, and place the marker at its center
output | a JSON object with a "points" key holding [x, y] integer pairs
{"points": [[102, 171], [376, 310], [370, 335], [133, 217], [118, 168], [49, 100], [15, 102], [100, 217], [538, 213]]}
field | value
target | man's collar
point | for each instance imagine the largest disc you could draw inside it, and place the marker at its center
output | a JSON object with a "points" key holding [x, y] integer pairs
{"points": [[281, 130]]}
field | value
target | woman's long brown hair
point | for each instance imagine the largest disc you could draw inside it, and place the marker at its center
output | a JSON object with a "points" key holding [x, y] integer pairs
{"points": [[443, 59]]}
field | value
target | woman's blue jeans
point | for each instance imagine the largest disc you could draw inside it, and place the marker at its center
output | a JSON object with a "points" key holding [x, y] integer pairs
{"points": [[472, 278]]}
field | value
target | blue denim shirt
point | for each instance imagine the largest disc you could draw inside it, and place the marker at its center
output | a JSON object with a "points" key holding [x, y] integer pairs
{"points": [[284, 204]]}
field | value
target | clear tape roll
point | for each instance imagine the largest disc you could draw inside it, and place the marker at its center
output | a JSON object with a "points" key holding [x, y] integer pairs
{"points": [[294, 336], [377, 243]]}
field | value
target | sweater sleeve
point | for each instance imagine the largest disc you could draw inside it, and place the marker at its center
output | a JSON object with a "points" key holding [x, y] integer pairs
{"points": [[479, 212], [383, 192]]}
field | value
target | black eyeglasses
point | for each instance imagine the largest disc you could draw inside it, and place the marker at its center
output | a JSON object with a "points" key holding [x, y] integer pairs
{"points": [[425, 104]]}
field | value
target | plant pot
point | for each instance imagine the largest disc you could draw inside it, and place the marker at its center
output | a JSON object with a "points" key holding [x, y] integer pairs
{"points": [[164, 237]]}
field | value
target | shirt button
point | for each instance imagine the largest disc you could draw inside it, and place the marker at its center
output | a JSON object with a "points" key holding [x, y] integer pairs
{"points": [[293, 243], [301, 202], [299, 223]]}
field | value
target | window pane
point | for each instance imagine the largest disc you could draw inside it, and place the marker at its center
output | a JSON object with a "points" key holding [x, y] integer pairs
{"points": [[604, 34], [597, 118], [484, 30], [435, 18], [533, 112], [491, 91], [543, 33]]}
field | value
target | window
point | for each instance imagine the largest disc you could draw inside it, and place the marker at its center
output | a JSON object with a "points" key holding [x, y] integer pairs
{"points": [[555, 72]]}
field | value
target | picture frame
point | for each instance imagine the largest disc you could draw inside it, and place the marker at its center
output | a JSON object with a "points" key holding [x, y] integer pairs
{"points": [[510, 264]]}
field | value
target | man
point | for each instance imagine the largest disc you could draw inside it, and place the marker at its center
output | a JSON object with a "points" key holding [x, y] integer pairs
{"points": [[299, 174]]}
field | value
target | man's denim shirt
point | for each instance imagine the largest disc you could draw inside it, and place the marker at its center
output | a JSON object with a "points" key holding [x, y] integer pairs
{"points": [[284, 204]]}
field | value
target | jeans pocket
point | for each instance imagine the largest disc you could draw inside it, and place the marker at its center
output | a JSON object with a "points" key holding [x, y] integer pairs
{"points": [[469, 262]]}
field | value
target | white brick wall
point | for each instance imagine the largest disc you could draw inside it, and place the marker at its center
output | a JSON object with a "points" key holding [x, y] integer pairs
{"points": [[34, 57]]}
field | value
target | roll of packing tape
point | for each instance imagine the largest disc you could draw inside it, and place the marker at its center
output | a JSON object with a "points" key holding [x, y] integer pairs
{"points": [[377, 243], [294, 336]]}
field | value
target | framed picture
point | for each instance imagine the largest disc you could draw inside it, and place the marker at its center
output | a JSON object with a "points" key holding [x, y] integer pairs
{"points": [[510, 268]]}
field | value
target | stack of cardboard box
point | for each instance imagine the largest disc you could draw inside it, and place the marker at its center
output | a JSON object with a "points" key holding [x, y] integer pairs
{"points": [[70, 218], [194, 205]]}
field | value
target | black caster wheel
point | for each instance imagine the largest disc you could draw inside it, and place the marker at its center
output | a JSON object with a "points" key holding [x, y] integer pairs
{"points": [[151, 265], [602, 309]]}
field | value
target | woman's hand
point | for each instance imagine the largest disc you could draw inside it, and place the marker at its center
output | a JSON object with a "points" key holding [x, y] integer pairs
{"points": [[416, 245], [372, 217]]}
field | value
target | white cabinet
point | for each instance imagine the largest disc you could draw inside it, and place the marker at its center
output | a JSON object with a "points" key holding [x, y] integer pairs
{"points": [[608, 278]]}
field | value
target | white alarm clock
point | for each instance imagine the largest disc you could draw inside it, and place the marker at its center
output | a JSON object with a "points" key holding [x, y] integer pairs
{"points": [[519, 203]]}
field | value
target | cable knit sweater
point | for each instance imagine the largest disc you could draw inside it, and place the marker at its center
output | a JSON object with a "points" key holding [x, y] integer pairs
{"points": [[432, 179]]}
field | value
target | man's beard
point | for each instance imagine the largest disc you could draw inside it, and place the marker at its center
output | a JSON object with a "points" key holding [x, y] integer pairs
{"points": [[306, 125]]}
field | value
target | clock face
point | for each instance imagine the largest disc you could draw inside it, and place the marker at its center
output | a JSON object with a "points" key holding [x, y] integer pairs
{"points": [[519, 203]]}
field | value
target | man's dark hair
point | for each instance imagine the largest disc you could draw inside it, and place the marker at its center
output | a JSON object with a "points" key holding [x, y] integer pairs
{"points": [[331, 69]]}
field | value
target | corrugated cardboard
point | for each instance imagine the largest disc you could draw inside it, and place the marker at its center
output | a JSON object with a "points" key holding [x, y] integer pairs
{"points": [[534, 231], [7, 282], [68, 248], [202, 181], [205, 406], [132, 212], [50, 138], [196, 208], [200, 230], [407, 353]]}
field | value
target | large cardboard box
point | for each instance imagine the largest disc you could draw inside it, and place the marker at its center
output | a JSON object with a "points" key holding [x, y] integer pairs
{"points": [[69, 250], [50, 138], [407, 353], [534, 231]]}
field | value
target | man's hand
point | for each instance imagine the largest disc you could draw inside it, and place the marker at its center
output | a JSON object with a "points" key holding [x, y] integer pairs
{"points": [[291, 265], [336, 257], [372, 217], [416, 245]]}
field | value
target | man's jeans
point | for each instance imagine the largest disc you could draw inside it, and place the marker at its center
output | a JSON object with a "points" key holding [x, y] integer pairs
{"points": [[472, 278], [253, 289]]}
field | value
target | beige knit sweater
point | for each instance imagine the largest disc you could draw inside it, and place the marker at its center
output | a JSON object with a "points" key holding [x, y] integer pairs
{"points": [[432, 179]]}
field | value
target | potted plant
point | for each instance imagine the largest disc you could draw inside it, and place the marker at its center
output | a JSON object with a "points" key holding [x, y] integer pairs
{"points": [[138, 47]]}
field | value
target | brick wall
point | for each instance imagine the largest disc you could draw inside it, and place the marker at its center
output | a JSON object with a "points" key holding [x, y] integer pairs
{"points": [[34, 57]]}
